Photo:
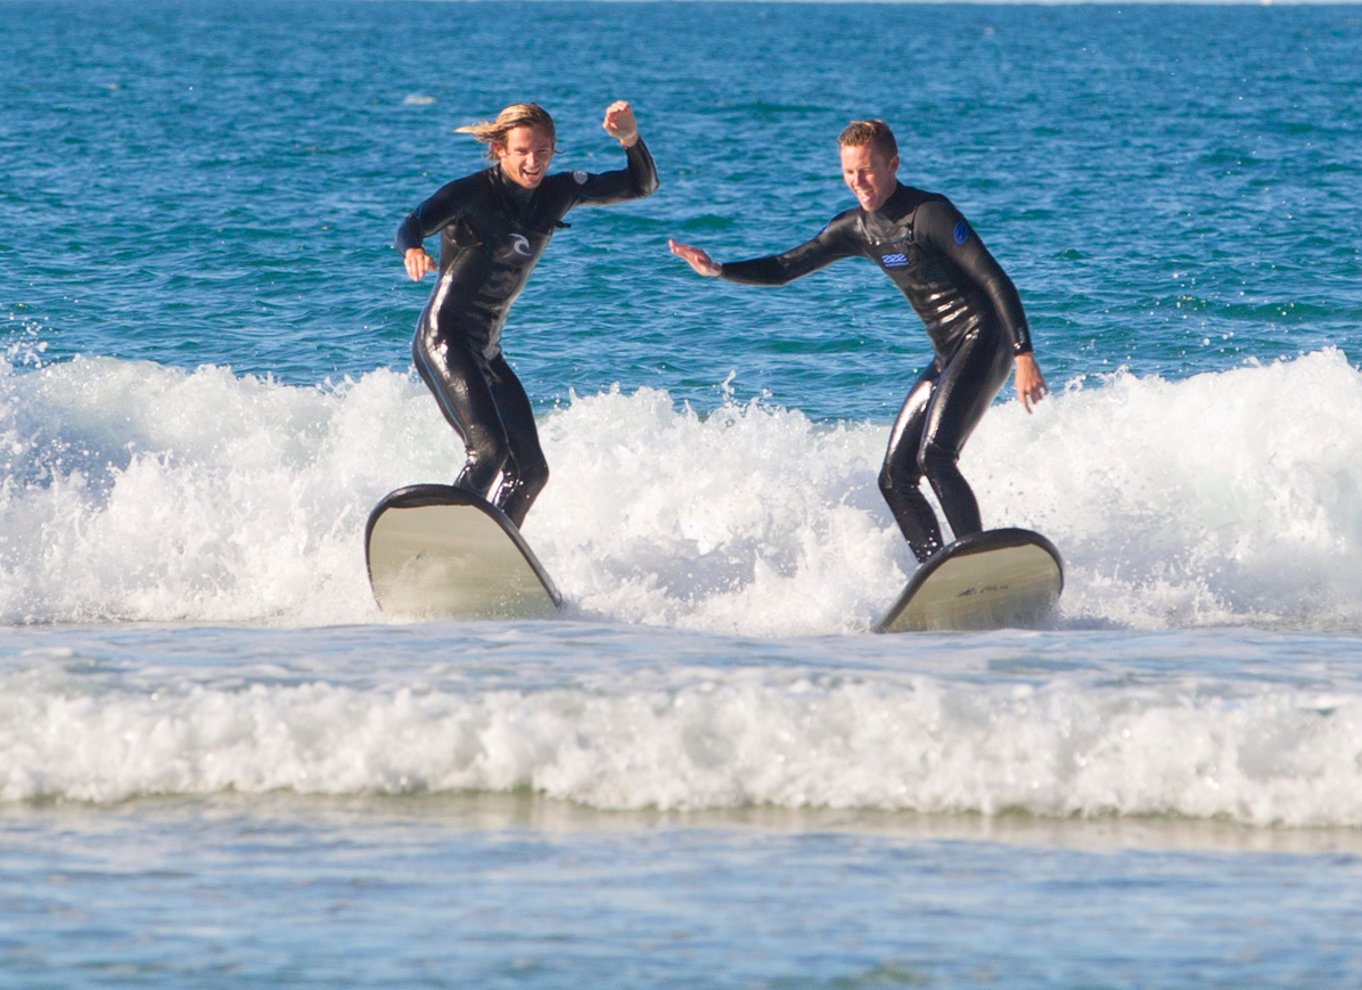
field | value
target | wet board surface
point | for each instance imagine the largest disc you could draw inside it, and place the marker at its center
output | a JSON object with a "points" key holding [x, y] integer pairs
{"points": [[997, 579], [436, 551]]}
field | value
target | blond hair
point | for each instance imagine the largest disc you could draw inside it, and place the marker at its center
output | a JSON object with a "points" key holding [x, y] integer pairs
{"points": [[493, 132], [875, 133]]}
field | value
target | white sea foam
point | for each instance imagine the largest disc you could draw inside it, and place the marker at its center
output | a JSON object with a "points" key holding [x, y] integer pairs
{"points": [[131, 491], [138, 492], [704, 739]]}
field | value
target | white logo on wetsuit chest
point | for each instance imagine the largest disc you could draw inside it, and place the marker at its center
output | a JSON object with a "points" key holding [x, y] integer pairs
{"points": [[520, 244]]}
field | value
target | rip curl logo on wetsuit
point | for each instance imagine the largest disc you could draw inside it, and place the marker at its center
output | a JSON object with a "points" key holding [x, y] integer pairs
{"points": [[961, 232], [579, 178], [520, 244], [894, 260]]}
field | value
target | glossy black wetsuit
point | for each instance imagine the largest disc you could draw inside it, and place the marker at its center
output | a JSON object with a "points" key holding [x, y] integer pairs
{"points": [[974, 318], [492, 232]]}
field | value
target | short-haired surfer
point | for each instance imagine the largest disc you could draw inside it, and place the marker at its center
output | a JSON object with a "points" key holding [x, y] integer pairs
{"points": [[970, 307], [493, 227]]}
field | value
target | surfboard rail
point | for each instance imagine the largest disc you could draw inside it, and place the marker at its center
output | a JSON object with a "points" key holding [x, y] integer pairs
{"points": [[996, 579]]}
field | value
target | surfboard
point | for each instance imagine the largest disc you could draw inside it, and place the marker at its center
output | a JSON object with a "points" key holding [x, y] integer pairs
{"points": [[997, 579], [436, 551]]}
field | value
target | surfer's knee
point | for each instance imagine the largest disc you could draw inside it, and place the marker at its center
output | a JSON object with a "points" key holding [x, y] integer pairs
{"points": [[932, 459], [887, 481], [899, 474], [487, 451], [532, 479], [524, 480], [519, 489]]}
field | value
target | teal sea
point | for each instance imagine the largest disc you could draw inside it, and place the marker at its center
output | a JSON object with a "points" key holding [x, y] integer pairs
{"points": [[222, 766]]}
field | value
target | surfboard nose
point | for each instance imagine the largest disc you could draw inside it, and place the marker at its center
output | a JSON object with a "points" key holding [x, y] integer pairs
{"points": [[997, 579], [436, 551]]}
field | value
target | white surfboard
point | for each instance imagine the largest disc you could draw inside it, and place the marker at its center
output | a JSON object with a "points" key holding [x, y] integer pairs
{"points": [[997, 579], [436, 551]]}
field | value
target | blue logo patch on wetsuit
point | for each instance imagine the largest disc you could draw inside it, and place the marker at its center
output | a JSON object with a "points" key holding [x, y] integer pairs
{"points": [[894, 260], [961, 232]]}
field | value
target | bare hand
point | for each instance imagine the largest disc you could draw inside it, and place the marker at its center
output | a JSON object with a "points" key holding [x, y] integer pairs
{"points": [[418, 263], [620, 123], [1030, 382], [696, 258]]}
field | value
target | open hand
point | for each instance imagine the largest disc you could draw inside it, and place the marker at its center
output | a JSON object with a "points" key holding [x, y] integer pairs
{"points": [[696, 258]]}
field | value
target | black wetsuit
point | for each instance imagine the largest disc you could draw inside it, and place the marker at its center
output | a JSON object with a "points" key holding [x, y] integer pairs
{"points": [[492, 232], [974, 318]]}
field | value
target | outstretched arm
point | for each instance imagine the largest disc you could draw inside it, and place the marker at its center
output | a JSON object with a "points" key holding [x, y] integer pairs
{"points": [[832, 243]]}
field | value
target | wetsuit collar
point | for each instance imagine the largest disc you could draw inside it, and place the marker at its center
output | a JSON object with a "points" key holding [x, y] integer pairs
{"points": [[901, 203], [517, 202], [514, 199]]}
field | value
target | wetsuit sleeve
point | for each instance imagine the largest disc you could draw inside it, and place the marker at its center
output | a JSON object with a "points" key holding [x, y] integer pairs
{"points": [[832, 244], [432, 215], [940, 226], [637, 180]]}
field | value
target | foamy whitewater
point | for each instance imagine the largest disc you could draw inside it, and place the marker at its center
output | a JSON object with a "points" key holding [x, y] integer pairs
{"points": [[142, 494]]}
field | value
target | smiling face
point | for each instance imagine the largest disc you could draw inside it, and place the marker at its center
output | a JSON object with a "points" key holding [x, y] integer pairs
{"points": [[869, 175], [525, 155]]}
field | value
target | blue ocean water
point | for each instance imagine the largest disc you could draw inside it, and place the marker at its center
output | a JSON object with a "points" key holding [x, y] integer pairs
{"points": [[221, 766]]}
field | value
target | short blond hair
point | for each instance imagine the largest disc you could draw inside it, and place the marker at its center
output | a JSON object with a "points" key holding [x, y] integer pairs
{"points": [[493, 132], [875, 133]]}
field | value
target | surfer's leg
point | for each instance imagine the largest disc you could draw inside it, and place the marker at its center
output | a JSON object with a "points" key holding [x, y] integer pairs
{"points": [[526, 470], [901, 477], [963, 394], [454, 373]]}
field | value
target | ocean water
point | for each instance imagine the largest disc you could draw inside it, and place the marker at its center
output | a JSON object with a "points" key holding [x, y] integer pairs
{"points": [[221, 766]]}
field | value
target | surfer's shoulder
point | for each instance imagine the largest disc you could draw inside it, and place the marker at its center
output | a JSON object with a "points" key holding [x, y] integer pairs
{"points": [[844, 224], [466, 188]]}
